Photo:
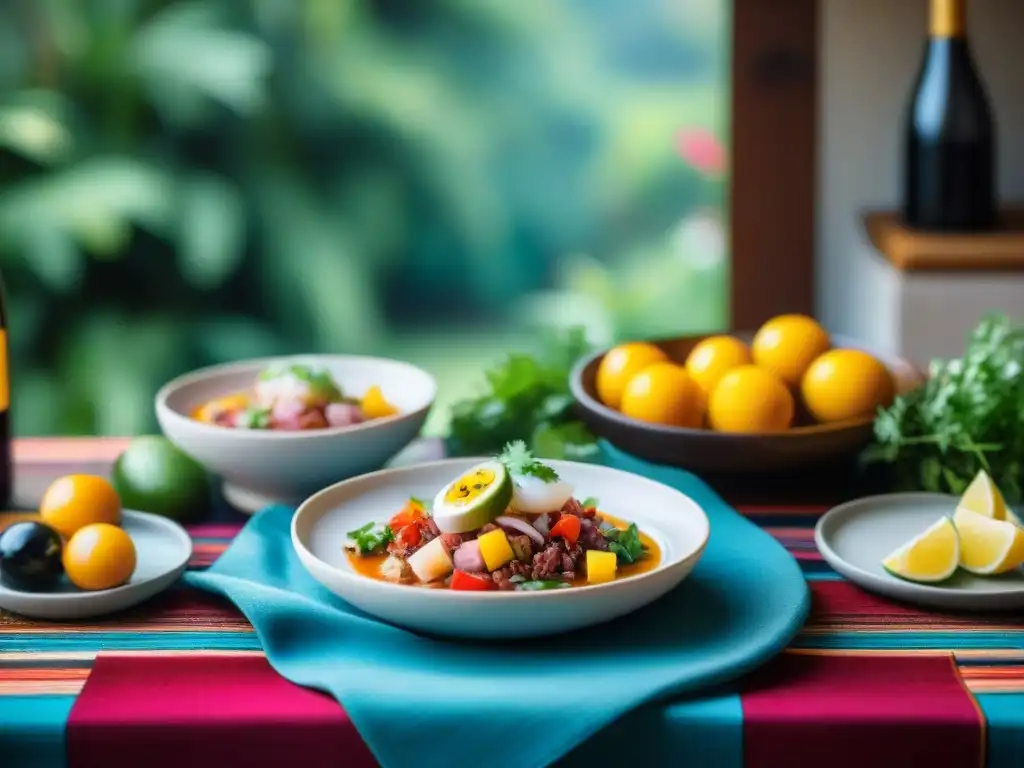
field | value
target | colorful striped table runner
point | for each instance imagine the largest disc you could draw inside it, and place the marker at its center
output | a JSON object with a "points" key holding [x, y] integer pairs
{"points": [[866, 682]]}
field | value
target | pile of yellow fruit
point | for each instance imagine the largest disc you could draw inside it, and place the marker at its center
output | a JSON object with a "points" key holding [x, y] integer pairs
{"points": [[728, 386]]}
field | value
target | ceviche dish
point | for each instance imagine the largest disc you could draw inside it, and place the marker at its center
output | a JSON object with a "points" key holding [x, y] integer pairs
{"points": [[294, 397], [511, 523]]}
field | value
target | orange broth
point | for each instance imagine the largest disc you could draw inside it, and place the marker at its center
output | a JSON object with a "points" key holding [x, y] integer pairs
{"points": [[369, 565]]}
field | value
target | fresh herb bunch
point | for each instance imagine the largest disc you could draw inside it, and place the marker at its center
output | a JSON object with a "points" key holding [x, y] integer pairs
{"points": [[518, 459], [526, 395], [968, 416]]}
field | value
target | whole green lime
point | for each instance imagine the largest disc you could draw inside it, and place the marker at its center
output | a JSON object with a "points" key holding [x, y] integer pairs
{"points": [[153, 475]]}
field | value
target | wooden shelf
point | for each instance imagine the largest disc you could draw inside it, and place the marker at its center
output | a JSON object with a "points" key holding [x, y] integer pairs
{"points": [[914, 250]]}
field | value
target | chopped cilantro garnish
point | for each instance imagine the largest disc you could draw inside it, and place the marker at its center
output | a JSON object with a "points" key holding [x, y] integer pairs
{"points": [[540, 584], [418, 502], [254, 418], [370, 538], [590, 501], [625, 544], [519, 461]]}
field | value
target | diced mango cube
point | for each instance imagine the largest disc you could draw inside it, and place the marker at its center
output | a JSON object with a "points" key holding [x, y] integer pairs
{"points": [[601, 566], [374, 406], [495, 549], [210, 410]]}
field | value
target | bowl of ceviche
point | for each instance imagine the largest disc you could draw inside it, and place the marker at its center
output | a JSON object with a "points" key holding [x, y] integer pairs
{"points": [[499, 548], [278, 429]]}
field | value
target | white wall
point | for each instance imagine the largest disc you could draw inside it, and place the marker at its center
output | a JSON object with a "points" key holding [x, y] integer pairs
{"points": [[871, 50]]}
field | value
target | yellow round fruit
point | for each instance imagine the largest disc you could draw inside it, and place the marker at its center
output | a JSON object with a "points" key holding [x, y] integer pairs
{"points": [[787, 345], [663, 393], [74, 501], [714, 357], [750, 400], [99, 556], [620, 365], [846, 384]]}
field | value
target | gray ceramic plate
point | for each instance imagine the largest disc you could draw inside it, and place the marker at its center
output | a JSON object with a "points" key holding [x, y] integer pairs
{"points": [[163, 549], [702, 450], [855, 537]]}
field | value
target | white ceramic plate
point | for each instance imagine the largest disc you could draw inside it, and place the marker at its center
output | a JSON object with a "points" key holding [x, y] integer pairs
{"points": [[260, 466], [673, 520], [163, 549], [855, 537]]}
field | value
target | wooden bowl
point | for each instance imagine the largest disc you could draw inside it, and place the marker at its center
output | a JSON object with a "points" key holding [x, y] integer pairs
{"points": [[806, 445]]}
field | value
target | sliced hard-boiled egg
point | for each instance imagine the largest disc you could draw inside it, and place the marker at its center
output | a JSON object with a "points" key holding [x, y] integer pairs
{"points": [[473, 499], [537, 487], [535, 495]]}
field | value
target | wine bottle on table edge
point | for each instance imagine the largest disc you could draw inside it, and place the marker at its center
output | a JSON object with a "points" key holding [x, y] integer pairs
{"points": [[6, 470], [949, 178]]}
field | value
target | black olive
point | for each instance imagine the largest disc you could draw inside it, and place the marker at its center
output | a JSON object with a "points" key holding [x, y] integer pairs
{"points": [[30, 557]]}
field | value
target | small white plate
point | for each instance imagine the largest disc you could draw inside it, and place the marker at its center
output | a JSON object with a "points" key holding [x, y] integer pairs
{"points": [[673, 520], [163, 549], [855, 537]]}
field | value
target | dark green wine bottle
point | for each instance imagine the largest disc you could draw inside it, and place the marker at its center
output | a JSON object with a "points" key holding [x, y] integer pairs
{"points": [[6, 468], [949, 182]]}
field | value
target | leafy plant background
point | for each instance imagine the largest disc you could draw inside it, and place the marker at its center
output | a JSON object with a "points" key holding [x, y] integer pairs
{"points": [[184, 182]]}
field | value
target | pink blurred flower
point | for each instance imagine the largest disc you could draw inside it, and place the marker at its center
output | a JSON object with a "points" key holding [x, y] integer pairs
{"points": [[702, 150]]}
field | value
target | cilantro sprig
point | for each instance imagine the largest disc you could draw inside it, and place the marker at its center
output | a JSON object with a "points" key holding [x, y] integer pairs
{"points": [[254, 418], [518, 460], [526, 396], [370, 538], [967, 416]]}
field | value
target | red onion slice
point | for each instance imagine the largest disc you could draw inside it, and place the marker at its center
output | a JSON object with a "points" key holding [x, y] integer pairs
{"points": [[542, 524], [521, 526], [467, 557], [342, 414]]}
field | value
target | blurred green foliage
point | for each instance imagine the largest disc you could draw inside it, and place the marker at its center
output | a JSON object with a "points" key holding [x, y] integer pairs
{"points": [[184, 182]]}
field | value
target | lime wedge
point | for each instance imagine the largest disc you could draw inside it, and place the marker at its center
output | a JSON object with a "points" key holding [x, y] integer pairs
{"points": [[928, 557], [988, 546], [982, 496], [474, 499]]}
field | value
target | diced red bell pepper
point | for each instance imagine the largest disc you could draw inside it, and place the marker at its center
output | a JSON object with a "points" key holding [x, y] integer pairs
{"points": [[590, 511], [410, 513], [568, 527], [410, 535], [471, 582]]}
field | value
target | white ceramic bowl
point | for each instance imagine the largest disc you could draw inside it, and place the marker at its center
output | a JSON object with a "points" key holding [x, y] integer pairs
{"points": [[319, 528], [263, 466]]}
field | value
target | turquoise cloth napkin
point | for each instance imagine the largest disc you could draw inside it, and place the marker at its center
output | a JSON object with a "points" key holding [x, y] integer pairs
{"points": [[425, 702]]}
